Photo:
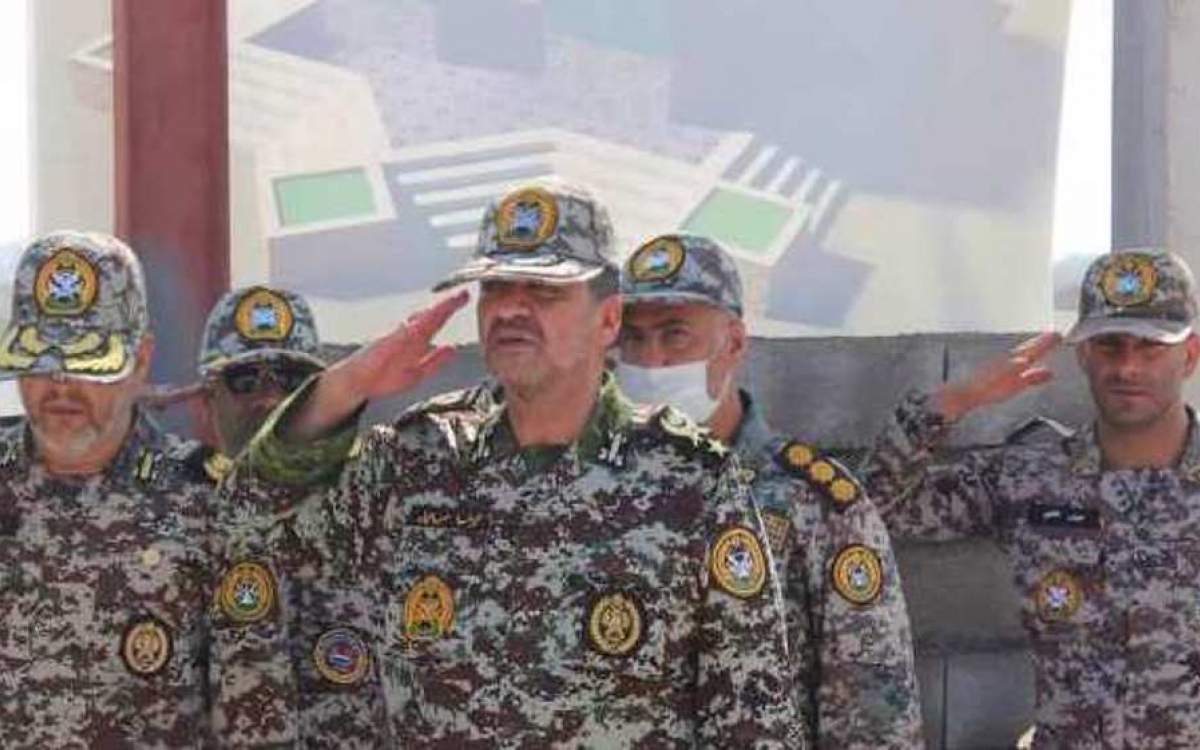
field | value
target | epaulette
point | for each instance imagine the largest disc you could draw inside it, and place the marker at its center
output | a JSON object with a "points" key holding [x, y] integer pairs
{"points": [[675, 425], [821, 471], [1038, 428]]}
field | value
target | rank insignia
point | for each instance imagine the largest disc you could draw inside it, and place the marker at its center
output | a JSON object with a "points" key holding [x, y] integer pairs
{"points": [[247, 593], [657, 260], [822, 471], [146, 646], [1058, 596], [738, 564], [1129, 279], [525, 219], [858, 574], [615, 624], [798, 455], [263, 315], [65, 284], [779, 532], [341, 656], [428, 610]]}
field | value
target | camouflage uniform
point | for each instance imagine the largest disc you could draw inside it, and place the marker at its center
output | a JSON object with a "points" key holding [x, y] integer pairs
{"points": [[610, 592], [103, 639], [847, 622], [275, 693], [1105, 561]]}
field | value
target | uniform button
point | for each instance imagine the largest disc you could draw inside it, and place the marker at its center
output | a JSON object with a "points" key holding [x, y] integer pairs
{"points": [[151, 557]]}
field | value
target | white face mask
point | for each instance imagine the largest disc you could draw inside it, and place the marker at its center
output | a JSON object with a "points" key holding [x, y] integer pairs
{"points": [[683, 386]]}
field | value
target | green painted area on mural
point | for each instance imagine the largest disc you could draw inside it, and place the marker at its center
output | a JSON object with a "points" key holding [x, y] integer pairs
{"points": [[740, 219], [323, 196]]}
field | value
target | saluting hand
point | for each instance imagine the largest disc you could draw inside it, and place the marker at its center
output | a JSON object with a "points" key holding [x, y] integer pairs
{"points": [[999, 379], [389, 365]]}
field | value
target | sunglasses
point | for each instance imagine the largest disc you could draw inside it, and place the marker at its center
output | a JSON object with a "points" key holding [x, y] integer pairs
{"points": [[245, 379]]}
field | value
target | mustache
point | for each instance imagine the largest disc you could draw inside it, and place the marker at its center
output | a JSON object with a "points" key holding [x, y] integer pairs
{"points": [[516, 326]]}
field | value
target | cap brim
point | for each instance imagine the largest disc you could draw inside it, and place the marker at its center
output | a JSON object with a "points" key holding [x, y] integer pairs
{"points": [[540, 269], [1162, 331], [260, 355], [665, 297], [112, 364]]}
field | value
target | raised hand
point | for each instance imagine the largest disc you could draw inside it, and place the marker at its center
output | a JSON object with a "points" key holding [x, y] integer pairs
{"points": [[389, 365], [999, 379]]}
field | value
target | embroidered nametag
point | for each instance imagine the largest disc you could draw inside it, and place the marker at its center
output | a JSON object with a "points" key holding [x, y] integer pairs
{"points": [[424, 515]]}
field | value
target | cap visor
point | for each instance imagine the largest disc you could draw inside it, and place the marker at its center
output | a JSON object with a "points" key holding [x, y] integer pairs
{"points": [[1162, 331], [260, 355], [566, 271]]}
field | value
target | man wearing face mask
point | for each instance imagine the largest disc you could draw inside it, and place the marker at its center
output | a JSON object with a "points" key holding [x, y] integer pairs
{"points": [[302, 663], [104, 520], [682, 342]]}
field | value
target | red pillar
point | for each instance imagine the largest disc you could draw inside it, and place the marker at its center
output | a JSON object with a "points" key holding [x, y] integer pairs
{"points": [[171, 117]]}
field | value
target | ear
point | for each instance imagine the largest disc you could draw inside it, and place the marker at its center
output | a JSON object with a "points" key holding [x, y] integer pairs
{"points": [[610, 320], [145, 354], [1192, 351], [738, 340]]}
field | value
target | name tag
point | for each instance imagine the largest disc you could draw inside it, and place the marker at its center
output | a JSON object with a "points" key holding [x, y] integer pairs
{"points": [[445, 518], [1064, 516]]}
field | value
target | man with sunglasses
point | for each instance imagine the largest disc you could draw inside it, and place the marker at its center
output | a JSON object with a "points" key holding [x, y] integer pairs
{"points": [[552, 568], [290, 655], [105, 521]]}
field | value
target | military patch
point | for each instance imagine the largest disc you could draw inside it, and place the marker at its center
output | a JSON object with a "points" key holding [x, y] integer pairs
{"points": [[65, 284], [779, 532], [802, 460], [615, 624], [657, 260], [525, 219], [428, 610], [341, 656], [737, 563], [263, 315], [858, 574], [146, 646], [247, 593], [1129, 280], [1058, 596]]}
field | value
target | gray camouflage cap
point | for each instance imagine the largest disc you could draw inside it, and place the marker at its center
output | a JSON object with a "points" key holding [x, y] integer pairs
{"points": [[682, 268], [78, 308], [258, 323], [555, 234], [1144, 292]]}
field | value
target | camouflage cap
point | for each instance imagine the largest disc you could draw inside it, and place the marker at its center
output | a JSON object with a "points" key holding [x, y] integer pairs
{"points": [[78, 308], [551, 233], [682, 268], [1144, 292], [258, 323]]}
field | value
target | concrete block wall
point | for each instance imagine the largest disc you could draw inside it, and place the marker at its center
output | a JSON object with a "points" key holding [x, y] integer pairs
{"points": [[973, 659]]}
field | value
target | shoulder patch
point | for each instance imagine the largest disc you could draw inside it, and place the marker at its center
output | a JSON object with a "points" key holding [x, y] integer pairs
{"points": [[1038, 428], [821, 471]]}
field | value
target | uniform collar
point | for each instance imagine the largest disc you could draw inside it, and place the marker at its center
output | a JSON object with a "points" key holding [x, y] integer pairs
{"points": [[600, 439], [1087, 459], [754, 438]]}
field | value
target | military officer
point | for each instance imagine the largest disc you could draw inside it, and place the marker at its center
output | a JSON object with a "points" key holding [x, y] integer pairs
{"points": [[553, 567], [1101, 525], [104, 518], [682, 342], [306, 659]]}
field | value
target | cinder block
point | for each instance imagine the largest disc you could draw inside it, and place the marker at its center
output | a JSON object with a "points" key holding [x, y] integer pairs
{"points": [[989, 699], [960, 596]]}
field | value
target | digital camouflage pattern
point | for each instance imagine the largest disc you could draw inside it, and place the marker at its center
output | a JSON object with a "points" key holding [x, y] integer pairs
{"points": [[288, 700], [259, 323], [87, 564], [78, 307], [682, 268], [552, 596], [552, 233], [1107, 564], [853, 662], [1148, 293]]}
